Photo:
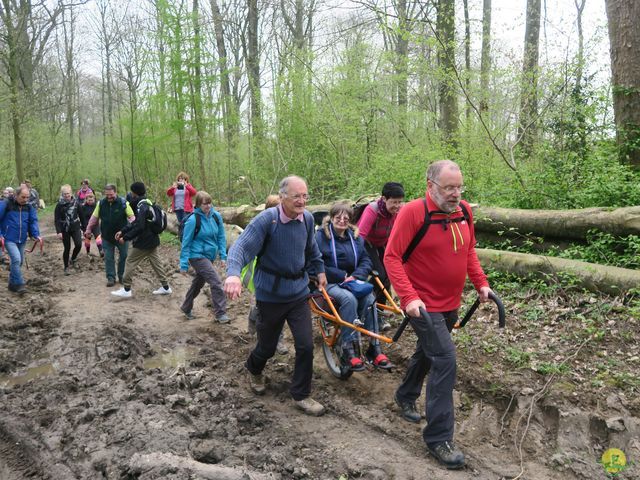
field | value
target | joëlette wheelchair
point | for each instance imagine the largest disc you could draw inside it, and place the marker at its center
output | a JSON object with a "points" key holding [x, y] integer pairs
{"points": [[330, 325]]}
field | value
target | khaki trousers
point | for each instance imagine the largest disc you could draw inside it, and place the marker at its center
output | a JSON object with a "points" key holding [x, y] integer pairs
{"points": [[137, 255]]}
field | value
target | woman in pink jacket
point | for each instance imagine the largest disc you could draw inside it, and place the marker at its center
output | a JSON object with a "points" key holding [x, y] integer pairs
{"points": [[181, 192]]}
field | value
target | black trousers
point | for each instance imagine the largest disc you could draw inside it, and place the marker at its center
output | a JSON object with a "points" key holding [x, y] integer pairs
{"points": [[377, 262], [268, 328], [76, 236], [435, 355]]}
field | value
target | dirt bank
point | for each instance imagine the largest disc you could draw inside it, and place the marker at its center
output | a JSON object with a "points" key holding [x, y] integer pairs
{"points": [[93, 387]]}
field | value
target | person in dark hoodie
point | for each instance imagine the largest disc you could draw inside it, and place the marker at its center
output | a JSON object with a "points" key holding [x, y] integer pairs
{"points": [[347, 265], [145, 244], [68, 221], [203, 242]]}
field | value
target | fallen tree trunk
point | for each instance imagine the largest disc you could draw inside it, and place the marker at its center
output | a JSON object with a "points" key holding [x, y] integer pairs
{"points": [[593, 277], [159, 463], [569, 224]]}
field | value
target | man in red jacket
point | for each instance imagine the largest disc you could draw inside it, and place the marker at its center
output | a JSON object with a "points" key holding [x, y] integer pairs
{"points": [[433, 278]]}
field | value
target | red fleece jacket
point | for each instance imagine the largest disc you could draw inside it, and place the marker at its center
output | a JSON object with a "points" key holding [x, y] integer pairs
{"points": [[437, 268]]}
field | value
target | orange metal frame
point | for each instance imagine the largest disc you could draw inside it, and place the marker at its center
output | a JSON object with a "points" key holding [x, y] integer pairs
{"points": [[334, 317]]}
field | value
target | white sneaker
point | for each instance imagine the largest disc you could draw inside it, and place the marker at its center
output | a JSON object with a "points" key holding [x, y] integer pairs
{"points": [[122, 293], [163, 291]]}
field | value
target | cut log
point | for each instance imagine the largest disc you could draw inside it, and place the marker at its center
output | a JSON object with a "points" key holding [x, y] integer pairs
{"points": [[593, 277], [568, 224], [151, 464]]}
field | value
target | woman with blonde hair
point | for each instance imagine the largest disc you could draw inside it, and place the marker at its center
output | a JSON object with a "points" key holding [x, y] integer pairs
{"points": [[203, 240], [67, 217], [181, 192]]}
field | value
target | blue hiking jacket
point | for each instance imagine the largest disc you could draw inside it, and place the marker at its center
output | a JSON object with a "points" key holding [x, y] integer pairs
{"points": [[210, 241], [18, 222]]}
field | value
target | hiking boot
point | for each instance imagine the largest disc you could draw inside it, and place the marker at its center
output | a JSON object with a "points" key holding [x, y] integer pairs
{"points": [[19, 289], [310, 406], [409, 412], [281, 348], [224, 318], [122, 293], [447, 454], [187, 314], [163, 291], [110, 282], [385, 326], [66, 271], [257, 383]]}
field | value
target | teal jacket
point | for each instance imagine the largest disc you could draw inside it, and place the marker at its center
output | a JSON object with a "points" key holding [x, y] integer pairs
{"points": [[210, 242]]}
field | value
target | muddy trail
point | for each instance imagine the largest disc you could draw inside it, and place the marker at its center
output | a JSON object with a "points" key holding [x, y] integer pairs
{"points": [[93, 387]]}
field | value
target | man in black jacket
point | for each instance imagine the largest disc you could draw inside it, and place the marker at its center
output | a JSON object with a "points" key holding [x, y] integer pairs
{"points": [[145, 244]]}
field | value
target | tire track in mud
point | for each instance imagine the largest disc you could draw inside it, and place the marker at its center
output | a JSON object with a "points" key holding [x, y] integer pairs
{"points": [[21, 457]]}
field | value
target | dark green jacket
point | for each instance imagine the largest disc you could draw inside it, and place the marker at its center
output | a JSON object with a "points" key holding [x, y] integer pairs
{"points": [[113, 218]]}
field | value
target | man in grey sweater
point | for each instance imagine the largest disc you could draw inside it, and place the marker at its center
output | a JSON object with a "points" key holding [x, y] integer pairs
{"points": [[283, 239]]}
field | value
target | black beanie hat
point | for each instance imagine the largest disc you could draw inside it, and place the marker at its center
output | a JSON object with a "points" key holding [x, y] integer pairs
{"points": [[138, 188]]}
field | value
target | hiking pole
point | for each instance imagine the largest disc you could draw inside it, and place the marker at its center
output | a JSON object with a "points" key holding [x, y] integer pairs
{"points": [[405, 321], [474, 307]]}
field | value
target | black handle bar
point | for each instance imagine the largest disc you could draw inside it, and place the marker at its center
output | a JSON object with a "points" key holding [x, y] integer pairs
{"points": [[496, 299]]}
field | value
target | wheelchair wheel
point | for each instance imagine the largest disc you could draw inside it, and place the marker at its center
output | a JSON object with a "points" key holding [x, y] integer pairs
{"points": [[332, 355]]}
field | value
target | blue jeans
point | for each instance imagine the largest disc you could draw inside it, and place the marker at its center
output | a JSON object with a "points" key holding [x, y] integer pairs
{"points": [[110, 258], [180, 214], [350, 308], [16, 255]]}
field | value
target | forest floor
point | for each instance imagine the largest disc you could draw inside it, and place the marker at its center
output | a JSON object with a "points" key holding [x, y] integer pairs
{"points": [[95, 387]]}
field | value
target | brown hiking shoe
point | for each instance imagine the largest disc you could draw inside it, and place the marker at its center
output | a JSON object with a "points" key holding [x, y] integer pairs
{"points": [[310, 406], [257, 383]]}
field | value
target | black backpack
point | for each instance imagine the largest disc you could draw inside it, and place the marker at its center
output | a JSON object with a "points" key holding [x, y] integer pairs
{"points": [[427, 223], [157, 217], [198, 225], [358, 210]]}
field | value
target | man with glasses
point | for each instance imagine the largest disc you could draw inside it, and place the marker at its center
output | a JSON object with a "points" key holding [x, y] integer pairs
{"points": [[282, 238], [375, 226], [432, 278]]}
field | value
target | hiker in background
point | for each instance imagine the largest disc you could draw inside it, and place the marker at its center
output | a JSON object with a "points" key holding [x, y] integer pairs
{"points": [[145, 244], [7, 193], [203, 241], [270, 202], [375, 226], [87, 210], [181, 192], [85, 190], [67, 218], [431, 276], [284, 238], [18, 221], [34, 196], [113, 212], [348, 266]]}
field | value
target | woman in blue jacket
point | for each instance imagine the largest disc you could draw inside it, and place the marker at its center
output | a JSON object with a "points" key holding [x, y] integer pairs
{"points": [[347, 266], [203, 240], [18, 221]]}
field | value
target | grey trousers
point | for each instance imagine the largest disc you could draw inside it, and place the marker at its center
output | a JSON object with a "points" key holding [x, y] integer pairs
{"points": [[205, 273], [436, 355]]}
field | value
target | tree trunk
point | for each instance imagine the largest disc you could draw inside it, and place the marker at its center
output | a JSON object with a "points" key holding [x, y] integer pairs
{"points": [[624, 39], [593, 277], [401, 65], [566, 224], [529, 93], [485, 56], [253, 67], [446, 61], [196, 88], [467, 55]]}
